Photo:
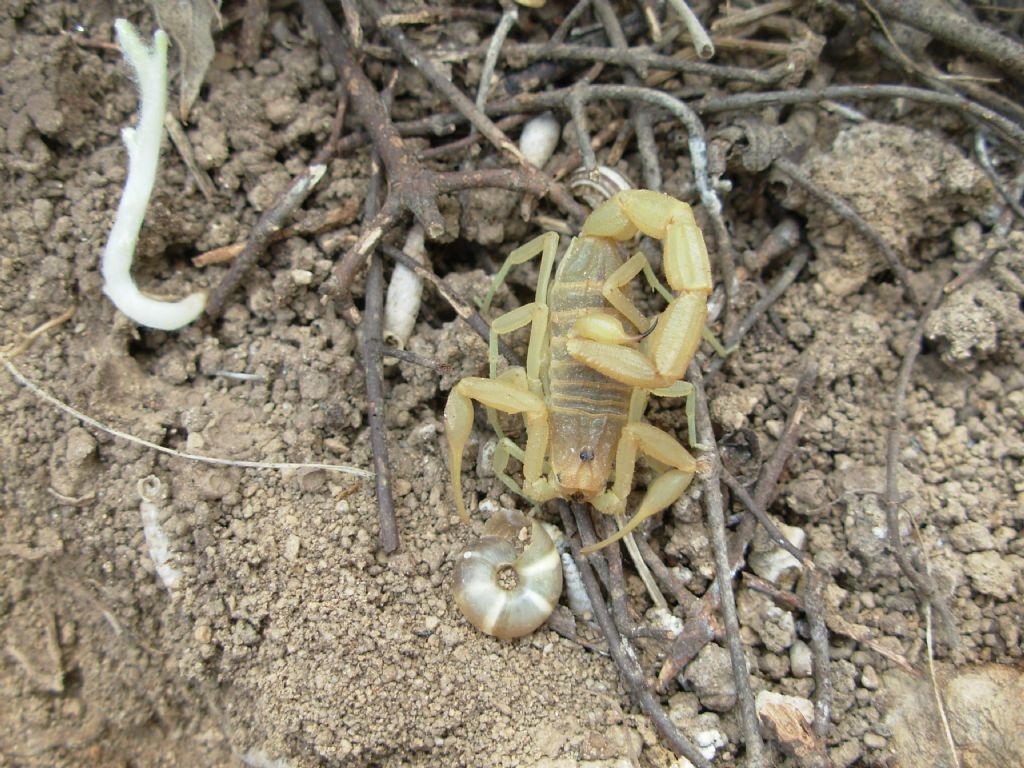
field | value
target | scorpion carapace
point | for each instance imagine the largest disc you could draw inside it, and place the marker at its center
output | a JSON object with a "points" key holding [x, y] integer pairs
{"points": [[593, 359]]}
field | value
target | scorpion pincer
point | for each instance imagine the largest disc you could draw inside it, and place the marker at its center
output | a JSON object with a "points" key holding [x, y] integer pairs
{"points": [[515, 611], [587, 379]]}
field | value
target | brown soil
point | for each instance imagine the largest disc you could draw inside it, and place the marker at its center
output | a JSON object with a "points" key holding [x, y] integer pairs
{"points": [[290, 639]]}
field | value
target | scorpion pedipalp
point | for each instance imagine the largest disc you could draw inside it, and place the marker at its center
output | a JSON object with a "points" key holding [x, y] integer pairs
{"points": [[489, 606]]}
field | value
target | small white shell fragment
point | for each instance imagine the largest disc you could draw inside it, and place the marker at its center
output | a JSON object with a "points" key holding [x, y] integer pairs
{"points": [[405, 291], [596, 186], [158, 547], [539, 138], [777, 564], [804, 706]]}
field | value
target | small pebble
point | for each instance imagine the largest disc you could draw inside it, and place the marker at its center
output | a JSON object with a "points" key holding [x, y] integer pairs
{"points": [[291, 547], [301, 276], [869, 678], [874, 741], [202, 633], [800, 661]]}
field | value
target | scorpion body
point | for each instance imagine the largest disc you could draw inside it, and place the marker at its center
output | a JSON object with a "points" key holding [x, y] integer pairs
{"points": [[586, 409], [587, 379]]}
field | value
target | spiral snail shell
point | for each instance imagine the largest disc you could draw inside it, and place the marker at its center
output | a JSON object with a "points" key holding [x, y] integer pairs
{"points": [[489, 606]]}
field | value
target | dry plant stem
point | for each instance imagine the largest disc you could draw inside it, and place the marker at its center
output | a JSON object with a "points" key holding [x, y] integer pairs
{"points": [[620, 650], [18, 348], [923, 584], [698, 35], [271, 223], [641, 567], [631, 57], [959, 32], [88, 420], [350, 12], [761, 306], [422, 361], [617, 38], [668, 580], [579, 124], [617, 583], [311, 225], [981, 151], [509, 17], [813, 588], [476, 117], [372, 342], [762, 517], [410, 187], [699, 628], [715, 509], [938, 80], [855, 220], [643, 120], [254, 22], [936, 694], [742, 17], [782, 597], [188, 156], [750, 101], [459, 145], [568, 22], [372, 349], [462, 307]]}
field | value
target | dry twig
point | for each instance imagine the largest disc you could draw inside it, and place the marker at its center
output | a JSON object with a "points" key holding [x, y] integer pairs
{"points": [[619, 647]]}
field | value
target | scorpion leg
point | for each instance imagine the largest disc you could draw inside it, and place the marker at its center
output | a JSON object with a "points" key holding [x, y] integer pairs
{"points": [[546, 246], [504, 450], [534, 314], [640, 437], [501, 395]]}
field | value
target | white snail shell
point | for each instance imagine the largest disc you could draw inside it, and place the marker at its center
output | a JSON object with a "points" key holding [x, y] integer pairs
{"points": [[490, 607]]}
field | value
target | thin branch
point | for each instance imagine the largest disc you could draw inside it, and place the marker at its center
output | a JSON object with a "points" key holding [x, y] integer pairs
{"points": [[699, 628], [813, 588], [846, 211], [620, 649], [922, 582], [750, 101], [372, 344], [715, 510], [959, 32], [46, 397], [762, 305], [271, 223]]}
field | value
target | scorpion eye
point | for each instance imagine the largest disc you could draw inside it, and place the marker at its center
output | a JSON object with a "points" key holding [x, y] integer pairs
{"points": [[586, 455]]}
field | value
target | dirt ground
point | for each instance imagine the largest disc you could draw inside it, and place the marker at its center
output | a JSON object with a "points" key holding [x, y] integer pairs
{"points": [[289, 638]]}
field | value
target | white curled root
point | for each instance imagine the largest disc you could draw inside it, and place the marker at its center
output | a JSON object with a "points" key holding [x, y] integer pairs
{"points": [[143, 145], [489, 606]]}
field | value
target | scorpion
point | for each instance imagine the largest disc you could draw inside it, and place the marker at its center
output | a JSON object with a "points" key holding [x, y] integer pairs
{"points": [[587, 378]]}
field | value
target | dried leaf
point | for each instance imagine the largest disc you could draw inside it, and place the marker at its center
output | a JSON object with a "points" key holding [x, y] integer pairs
{"points": [[190, 25]]}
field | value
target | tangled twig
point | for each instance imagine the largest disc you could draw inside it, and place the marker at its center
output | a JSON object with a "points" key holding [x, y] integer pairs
{"points": [[619, 647]]}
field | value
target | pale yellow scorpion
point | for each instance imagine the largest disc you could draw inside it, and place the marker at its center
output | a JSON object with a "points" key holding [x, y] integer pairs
{"points": [[583, 391]]}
